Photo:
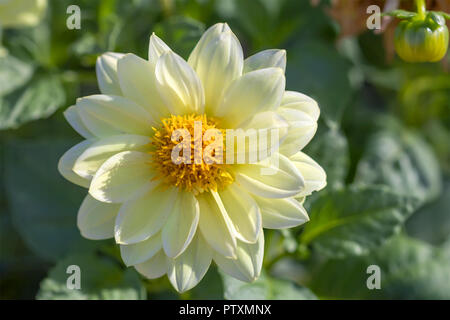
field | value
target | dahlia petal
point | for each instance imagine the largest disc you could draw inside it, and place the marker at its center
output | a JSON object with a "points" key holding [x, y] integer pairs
{"points": [[67, 162], [73, 117], [218, 60], [215, 224], [140, 252], [138, 83], [302, 128], [281, 213], [269, 179], [313, 174], [141, 218], [243, 212], [179, 85], [181, 224], [96, 219], [87, 164], [301, 102], [186, 271], [155, 267], [247, 265], [107, 115], [106, 70], [256, 91], [265, 59], [122, 177], [156, 48]]}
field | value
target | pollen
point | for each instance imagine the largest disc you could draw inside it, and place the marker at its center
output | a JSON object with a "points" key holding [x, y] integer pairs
{"points": [[201, 169]]}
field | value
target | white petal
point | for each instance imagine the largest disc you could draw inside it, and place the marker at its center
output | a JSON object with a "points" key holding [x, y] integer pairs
{"points": [[215, 224], [302, 128], [96, 219], [256, 91], [138, 83], [186, 271], [248, 262], [156, 48], [181, 225], [96, 154], [133, 254], [106, 69], [122, 177], [179, 85], [299, 101], [141, 218], [281, 213], [243, 212], [270, 179], [107, 115], [266, 59], [73, 117], [218, 60], [313, 174], [155, 267], [67, 162]]}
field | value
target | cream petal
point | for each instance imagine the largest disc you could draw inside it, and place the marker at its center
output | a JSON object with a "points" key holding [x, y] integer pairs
{"points": [[140, 252], [270, 179], [96, 219], [181, 224], [254, 92], [243, 212], [141, 218], [138, 83], [186, 271], [96, 154], [218, 60], [73, 117], [107, 115], [302, 128], [67, 162], [266, 59], [215, 224], [301, 102], [281, 213], [155, 267], [122, 177], [106, 70], [313, 174], [265, 126], [247, 265], [179, 85], [156, 48]]}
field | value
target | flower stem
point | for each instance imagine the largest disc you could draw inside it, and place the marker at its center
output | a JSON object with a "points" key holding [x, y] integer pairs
{"points": [[421, 8]]}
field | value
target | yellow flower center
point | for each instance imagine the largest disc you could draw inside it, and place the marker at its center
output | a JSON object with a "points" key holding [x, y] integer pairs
{"points": [[193, 173]]}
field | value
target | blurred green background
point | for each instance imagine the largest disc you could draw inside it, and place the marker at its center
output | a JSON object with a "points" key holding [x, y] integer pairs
{"points": [[383, 140]]}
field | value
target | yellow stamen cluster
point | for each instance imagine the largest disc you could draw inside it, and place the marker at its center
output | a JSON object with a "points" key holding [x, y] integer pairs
{"points": [[195, 177]]}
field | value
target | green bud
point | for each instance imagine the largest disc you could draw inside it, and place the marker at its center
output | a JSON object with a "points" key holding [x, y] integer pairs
{"points": [[422, 39]]}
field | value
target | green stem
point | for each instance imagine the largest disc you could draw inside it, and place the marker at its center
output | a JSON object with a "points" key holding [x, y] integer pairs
{"points": [[421, 8]]}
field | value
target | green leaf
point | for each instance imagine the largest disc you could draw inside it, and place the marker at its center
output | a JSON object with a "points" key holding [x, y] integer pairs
{"points": [[316, 69], [355, 220], [410, 269], [40, 98], [42, 204], [403, 161], [432, 222], [264, 288], [13, 73], [330, 149], [100, 278]]}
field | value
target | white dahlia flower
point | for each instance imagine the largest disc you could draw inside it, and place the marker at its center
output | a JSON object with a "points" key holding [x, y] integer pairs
{"points": [[175, 219], [16, 13]]}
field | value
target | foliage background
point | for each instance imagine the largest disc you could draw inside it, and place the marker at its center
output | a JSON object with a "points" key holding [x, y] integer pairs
{"points": [[383, 139]]}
